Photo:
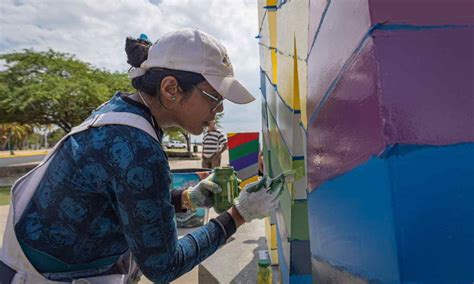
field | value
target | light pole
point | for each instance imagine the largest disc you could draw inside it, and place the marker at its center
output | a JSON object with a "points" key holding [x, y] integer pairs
{"points": [[10, 146], [46, 139]]}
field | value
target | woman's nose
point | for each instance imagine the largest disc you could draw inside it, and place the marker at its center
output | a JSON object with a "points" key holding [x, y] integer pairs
{"points": [[219, 108]]}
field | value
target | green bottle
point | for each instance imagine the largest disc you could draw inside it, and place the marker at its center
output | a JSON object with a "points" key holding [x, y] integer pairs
{"points": [[226, 178], [264, 274]]}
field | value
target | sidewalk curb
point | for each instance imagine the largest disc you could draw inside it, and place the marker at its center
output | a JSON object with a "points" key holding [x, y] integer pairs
{"points": [[8, 175], [4, 156]]}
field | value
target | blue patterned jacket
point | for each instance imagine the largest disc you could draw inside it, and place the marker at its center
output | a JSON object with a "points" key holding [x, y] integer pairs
{"points": [[106, 191]]}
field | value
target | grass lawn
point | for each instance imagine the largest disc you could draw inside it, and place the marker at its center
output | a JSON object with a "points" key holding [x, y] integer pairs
{"points": [[4, 195]]}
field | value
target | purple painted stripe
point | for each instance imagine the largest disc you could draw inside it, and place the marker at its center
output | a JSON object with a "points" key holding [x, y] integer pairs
{"points": [[245, 161]]}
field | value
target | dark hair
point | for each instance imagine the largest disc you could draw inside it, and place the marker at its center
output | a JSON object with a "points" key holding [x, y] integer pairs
{"points": [[149, 83]]}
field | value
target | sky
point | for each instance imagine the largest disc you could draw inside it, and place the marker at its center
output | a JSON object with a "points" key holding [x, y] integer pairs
{"points": [[95, 31]]}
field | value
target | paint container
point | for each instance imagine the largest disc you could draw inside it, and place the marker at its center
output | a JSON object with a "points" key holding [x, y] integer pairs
{"points": [[182, 179], [264, 274], [226, 178]]}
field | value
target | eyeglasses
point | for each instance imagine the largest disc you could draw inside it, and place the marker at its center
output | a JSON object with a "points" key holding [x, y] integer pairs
{"points": [[211, 97]]}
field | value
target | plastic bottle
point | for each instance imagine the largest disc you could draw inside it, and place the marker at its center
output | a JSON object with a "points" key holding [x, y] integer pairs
{"points": [[264, 274]]}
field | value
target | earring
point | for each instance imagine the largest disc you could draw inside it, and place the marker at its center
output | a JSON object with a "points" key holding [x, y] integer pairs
{"points": [[173, 98]]}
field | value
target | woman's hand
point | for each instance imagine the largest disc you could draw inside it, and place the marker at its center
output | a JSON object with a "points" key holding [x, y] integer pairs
{"points": [[255, 201], [200, 195]]}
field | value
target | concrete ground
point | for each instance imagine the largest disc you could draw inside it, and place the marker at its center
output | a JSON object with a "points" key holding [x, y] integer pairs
{"points": [[234, 262]]}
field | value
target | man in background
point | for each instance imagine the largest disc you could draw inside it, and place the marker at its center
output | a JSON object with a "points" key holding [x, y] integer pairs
{"points": [[213, 144]]}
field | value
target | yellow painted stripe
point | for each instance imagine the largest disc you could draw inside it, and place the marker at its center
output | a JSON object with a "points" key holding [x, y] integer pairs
{"points": [[270, 234], [274, 67], [274, 257], [249, 180], [272, 30], [296, 82], [274, 238], [271, 2]]}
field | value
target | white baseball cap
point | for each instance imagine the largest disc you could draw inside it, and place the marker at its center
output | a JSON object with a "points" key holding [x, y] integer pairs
{"points": [[196, 51]]}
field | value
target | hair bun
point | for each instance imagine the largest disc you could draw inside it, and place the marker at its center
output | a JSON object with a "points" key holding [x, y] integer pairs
{"points": [[137, 51]]}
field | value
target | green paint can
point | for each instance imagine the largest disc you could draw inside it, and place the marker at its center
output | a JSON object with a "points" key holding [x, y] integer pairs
{"points": [[227, 179]]}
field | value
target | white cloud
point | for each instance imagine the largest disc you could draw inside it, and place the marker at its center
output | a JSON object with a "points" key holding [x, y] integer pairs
{"points": [[95, 32]]}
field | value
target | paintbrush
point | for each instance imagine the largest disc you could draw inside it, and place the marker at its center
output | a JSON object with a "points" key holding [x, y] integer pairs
{"points": [[273, 184]]}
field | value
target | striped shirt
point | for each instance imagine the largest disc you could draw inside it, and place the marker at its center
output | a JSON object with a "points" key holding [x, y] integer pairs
{"points": [[212, 142]]}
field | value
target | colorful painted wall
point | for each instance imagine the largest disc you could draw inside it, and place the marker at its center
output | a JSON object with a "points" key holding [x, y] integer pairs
{"points": [[381, 94], [283, 82]]}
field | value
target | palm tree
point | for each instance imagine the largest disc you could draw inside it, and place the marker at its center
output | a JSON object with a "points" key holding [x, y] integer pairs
{"points": [[13, 134]]}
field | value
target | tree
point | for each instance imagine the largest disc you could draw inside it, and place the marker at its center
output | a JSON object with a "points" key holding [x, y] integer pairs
{"points": [[14, 135], [53, 88], [177, 133]]}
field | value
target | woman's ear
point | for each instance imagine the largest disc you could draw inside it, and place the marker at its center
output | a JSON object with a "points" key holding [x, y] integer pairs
{"points": [[169, 91]]}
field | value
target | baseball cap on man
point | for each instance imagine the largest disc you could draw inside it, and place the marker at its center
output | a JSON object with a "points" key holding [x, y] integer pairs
{"points": [[196, 51]]}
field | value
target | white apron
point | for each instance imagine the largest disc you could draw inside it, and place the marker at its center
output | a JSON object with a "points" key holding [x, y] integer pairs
{"points": [[23, 190]]}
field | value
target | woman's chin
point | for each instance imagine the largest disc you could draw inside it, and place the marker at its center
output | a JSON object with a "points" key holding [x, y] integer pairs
{"points": [[196, 130]]}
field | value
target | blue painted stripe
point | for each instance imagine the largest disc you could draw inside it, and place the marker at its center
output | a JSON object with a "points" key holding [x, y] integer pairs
{"points": [[304, 129], [294, 111], [300, 260], [264, 101], [281, 3], [289, 270], [284, 271], [268, 78], [279, 51], [245, 161], [279, 131], [316, 34], [334, 83], [294, 158], [270, 7], [261, 25], [263, 87], [301, 279], [410, 211]]}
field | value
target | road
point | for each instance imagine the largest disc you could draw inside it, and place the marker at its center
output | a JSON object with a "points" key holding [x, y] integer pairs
{"points": [[5, 162]]}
